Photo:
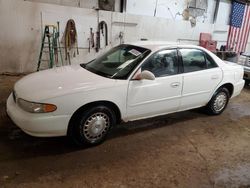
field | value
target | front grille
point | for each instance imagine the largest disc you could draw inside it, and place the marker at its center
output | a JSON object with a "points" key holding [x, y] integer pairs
{"points": [[248, 62], [244, 60], [14, 95]]}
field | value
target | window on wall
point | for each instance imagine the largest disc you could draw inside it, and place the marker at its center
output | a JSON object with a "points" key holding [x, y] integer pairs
{"points": [[197, 8], [163, 63], [223, 13], [199, 4]]}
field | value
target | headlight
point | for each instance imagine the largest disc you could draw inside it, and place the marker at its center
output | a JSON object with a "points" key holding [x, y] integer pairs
{"points": [[33, 107]]}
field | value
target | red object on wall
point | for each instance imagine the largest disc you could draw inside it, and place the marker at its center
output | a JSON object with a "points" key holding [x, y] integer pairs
{"points": [[207, 42], [211, 45], [205, 37]]}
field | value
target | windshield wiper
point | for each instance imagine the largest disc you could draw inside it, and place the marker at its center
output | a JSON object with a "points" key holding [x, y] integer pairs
{"points": [[95, 71], [83, 65]]}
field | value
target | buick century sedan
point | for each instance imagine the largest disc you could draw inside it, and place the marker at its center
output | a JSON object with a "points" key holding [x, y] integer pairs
{"points": [[127, 83]]}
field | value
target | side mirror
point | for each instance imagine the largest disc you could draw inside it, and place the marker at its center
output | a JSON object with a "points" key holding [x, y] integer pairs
{"points": [[147, 75]]}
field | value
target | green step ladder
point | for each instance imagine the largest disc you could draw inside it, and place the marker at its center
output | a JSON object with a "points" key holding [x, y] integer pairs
{"points": [[50, 41]]}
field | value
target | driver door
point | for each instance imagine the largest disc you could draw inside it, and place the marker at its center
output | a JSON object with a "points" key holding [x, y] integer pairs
{"points": [[147, 98]]}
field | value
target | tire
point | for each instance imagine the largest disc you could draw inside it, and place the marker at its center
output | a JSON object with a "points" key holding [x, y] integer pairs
{"points": [[219, 102], [90, 127]]}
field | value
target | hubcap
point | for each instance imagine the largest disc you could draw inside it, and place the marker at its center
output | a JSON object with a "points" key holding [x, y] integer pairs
{"points": [[96, 126], [220, 101]]}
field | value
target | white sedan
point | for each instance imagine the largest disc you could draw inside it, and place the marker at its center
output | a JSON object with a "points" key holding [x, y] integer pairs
{"points": [[129, 82]]}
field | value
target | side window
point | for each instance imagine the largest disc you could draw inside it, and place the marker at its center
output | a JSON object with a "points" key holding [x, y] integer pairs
{"points": [[163, 63], [193, 60], [210, 62]]}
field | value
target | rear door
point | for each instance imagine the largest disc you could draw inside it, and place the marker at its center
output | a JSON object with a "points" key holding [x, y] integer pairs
{"points": [[201, 75]]}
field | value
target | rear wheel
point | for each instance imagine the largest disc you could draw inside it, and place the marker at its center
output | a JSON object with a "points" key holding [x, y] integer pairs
{"points": [[91, 126], [219, 102]]}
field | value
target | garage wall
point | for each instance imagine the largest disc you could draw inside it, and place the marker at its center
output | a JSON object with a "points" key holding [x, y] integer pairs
{"points": [[172, 9], [20, 37], [89, 4]]}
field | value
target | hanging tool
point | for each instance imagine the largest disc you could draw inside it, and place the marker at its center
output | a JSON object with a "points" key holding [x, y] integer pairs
{"points": [[57, 46], [91, 39], [121, 37], [101, 27], [57, 43], [98, 38], [70, 38], [89, 45], [98, 32], [50, 40]]}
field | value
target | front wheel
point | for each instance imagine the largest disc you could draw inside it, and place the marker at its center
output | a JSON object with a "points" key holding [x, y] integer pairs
{"points": [[219, 102], [91, 126]]}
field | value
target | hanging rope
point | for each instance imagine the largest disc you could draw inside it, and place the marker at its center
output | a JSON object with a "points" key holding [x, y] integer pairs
{"points": [[70, 38], [102, 26]]}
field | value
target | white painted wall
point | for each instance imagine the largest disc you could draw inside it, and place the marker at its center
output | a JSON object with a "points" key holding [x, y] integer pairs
{"points": [[20, 37], [170, 9], [224, 12], [89, 4], [140, 7]]}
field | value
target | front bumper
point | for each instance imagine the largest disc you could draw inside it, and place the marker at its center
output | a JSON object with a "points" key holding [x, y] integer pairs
{"points": [[40, 125]]}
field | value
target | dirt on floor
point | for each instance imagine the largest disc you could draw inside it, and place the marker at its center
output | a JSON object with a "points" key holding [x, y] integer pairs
{"points": [[186, 149]]}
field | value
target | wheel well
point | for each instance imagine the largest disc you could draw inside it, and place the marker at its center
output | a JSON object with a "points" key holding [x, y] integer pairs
{"points": [[109, 104], [230, 88]]}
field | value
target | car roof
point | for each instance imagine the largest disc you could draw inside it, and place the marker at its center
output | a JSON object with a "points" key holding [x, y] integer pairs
{"points": [[158, 45]]}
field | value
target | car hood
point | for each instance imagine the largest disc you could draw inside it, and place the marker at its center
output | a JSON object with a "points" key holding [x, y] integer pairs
{"points": [[55, 82]]}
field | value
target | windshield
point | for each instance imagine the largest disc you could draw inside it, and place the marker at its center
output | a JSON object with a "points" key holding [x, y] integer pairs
{"points": [[118, 62]]}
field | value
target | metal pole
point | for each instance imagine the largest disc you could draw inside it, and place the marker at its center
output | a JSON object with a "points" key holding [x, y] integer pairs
{"points": [[156, 5], [216, 10]]}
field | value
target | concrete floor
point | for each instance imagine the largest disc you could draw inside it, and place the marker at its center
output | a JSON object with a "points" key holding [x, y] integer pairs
{"points": [[187, 149]]}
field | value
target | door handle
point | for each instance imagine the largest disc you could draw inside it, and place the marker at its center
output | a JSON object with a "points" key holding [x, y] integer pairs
{"points": [[176, 84], [214, 77]]}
